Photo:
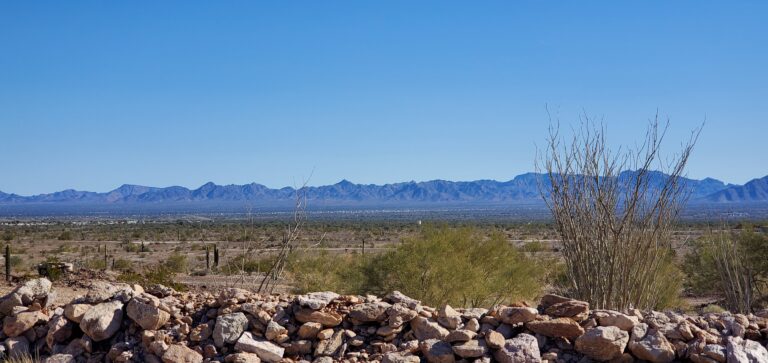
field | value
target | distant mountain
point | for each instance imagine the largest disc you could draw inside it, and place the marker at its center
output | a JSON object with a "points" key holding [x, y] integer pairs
{"points": [[756, 190], [523, 188]]}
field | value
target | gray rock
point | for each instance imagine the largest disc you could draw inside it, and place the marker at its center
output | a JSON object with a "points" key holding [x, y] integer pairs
{"points": [[651, 345], [145, 311], [425, 329], [266, 350], [316, 300], [471, 349], [33, 290], [102, 321], [437, 351], [745, 351], [602, 343], [228, 328], [178, 353], [369, 312], [523, 348]]}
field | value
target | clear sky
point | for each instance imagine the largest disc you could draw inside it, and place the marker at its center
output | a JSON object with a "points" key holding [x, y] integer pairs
{"points": [[97, 94]]}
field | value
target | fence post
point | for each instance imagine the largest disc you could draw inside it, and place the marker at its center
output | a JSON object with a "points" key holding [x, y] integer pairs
{"points": [[106, 263], [215, 255]]}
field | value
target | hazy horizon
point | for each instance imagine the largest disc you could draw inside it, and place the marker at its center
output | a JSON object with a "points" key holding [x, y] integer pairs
{"points": [[95, 95]]}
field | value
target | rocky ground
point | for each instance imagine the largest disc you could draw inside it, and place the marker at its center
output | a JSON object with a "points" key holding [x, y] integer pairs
{"points": [[113, 322]]}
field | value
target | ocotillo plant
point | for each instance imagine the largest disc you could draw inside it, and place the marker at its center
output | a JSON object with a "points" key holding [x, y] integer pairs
{"points": [[8, 262], [207, 258]]}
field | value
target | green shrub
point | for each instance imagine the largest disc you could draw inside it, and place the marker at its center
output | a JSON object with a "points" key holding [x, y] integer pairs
{"points": [[159, 275], [122, 265], [176, 263], [440, 266], [245, 263], [731, 265], [712, 308], [65, 236]]}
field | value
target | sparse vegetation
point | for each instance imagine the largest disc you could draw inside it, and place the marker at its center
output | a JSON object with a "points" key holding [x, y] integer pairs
{"points": [[734, 264], [438, 266]]}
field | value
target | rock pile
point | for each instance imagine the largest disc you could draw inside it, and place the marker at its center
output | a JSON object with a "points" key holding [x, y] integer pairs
{"points": [[123, 323]]}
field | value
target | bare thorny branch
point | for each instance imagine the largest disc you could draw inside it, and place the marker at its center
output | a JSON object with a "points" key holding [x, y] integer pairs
{"points": [[613, 212], [290, 236]]}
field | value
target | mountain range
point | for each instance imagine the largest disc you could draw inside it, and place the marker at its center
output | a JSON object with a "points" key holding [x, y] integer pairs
{"points": [[523, 188]]}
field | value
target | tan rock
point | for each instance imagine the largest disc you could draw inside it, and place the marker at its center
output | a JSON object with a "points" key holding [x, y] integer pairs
{"points": [[14, 326], [178, 353], [309, 330], [556, 328], [326, 318], [75, 312], [602, 343]]}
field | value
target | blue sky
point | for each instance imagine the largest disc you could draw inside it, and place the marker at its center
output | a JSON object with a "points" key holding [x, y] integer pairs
{"points": [[96, 94]]}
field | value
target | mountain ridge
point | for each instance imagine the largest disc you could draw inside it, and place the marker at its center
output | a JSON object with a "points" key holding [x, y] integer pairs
{"points": [[523, 187]]}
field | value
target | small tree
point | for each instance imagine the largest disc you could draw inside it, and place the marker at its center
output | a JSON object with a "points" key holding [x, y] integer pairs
{"points": [[613, 213]]}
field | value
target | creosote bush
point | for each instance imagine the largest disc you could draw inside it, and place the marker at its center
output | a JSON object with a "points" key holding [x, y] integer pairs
{"points": [[441, 265]]}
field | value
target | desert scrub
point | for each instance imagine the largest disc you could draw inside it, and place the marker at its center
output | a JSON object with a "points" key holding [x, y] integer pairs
{"points": [[441, 265], [160, 274], [733, 265], [176, 263], [246, 263]]}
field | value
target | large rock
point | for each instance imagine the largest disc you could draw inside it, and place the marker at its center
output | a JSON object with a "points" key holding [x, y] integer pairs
{"points": [[274, 330], [556, 328], [266, 350], [75, 312], [651, 345], [330, 346], [494, 339], [471, 349], [448, 317], [437, 351], [369, 312], [309, 330], [228, 328], [316, 300], [521, 349], [14, 326], [517, 314], [619, 320], [399, 314], [424, 329], [201, 332], [59, 330], [574, 309], [102, 321], [745, 351], [33, 290], [603, 343], [329, 319], [9, 302], [145, 311], [396, 297], [178, 353], [100, 291]]}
